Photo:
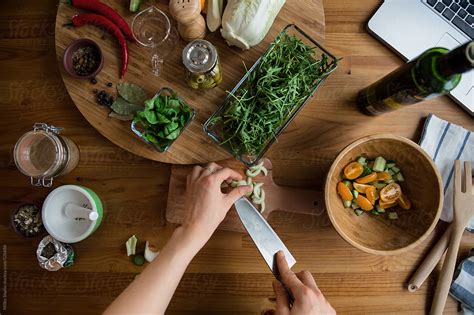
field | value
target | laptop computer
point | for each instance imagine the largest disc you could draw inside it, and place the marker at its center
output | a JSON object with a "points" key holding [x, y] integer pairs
{"points": [[412, 26]]}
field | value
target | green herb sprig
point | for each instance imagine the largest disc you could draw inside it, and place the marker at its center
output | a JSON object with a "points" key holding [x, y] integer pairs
{"points": [[282, 81]]}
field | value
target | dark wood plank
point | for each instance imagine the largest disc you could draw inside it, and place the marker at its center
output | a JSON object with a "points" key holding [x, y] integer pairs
{"points": [[228, 276]]}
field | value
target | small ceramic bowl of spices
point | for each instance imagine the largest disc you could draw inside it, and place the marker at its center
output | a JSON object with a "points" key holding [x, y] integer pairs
{"points": [[26, 221], [83, 59]]}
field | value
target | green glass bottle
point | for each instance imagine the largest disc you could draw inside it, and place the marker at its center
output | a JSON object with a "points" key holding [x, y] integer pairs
{"points": [[435, 72]]}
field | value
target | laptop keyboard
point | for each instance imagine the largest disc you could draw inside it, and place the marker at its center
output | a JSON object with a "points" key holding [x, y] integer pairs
{"points": [[459, 13]]}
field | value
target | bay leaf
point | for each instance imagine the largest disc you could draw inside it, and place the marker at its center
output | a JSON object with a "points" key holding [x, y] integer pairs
{"points": [[122, 107], [121, 117], [132, 93]]}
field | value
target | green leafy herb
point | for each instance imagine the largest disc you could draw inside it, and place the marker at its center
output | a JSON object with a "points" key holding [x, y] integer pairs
{"points": [[163, 119], [280, 83]]}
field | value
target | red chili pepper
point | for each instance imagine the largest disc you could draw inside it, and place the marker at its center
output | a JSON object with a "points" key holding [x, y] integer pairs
{"points": [[81, 19], [103, 9]]}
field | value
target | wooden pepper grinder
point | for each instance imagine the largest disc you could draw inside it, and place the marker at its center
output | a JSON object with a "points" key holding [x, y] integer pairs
{"points": [[187, 13]]}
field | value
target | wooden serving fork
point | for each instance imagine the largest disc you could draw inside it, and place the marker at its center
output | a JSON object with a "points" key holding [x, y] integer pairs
{"points": [[463, 211]]}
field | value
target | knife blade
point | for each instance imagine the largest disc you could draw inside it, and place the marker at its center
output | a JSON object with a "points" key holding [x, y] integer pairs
{"points": [[267, 241]]}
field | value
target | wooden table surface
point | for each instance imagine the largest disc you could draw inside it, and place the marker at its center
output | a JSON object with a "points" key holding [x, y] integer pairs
{"points": [[228, 276]]}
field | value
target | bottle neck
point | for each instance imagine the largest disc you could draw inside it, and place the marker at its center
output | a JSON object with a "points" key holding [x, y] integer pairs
{"points": [[457, 61]]}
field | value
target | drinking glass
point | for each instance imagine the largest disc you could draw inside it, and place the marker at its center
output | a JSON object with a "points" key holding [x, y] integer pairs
{"points": [[152, 29]]}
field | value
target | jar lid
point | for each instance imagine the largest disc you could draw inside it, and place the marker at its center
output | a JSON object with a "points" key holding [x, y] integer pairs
{"points": [[38, 154], [199, 56]]}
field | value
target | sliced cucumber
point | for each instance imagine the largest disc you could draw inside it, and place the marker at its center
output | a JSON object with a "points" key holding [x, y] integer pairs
{"points": [[393, 215], [362, 160], [358, 212], [348, 184], [367, 171], [379, 209], [379, 164], [347, 203], [379, 185], [375, 212], [391, 172], [390, 165], [395, 169], [355, 193], [399, 177]]}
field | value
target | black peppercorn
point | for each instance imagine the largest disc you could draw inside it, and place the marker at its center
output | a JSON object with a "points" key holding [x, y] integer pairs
{"points": [[104, 98], [85, 60]]}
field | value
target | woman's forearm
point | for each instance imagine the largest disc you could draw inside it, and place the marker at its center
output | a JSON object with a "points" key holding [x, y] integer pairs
{"points": [[151, 292], [206, 207]]}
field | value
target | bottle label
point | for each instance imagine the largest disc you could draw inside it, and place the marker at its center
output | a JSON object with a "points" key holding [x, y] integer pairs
{"points": [[411, 83], [390, 102]]}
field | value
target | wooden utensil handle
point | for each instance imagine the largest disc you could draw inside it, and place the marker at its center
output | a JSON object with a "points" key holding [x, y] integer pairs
{"points": [[430, 261], [297, 200], [447, 272]]}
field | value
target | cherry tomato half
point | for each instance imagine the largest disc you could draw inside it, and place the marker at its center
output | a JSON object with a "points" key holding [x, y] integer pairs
{"points": [[386, 205], [344, 192], [384, 176], [370, 194], [360, 187], [391, 192], [404, 202], [367, 179], [364, 203], [353, 170]]}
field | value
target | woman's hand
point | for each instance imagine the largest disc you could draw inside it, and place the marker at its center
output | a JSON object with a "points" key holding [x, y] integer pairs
{"points": [[308, 298], [206, 205]]}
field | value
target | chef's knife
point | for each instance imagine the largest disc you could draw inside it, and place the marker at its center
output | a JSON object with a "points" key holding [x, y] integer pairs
{"points": [[262, 234]]}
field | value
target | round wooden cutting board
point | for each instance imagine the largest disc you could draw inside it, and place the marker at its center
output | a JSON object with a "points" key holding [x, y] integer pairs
{"points": [[193, 146]]}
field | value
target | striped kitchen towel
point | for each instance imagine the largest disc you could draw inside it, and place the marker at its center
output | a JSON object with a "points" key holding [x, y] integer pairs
{"points": [[446, 142], [462, 288]]}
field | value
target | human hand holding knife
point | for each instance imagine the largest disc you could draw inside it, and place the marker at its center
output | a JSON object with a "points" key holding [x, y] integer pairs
{"points": [[296, 293]]}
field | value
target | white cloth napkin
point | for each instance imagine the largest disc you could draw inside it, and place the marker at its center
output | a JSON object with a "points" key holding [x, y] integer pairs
{"points": [[446, 142]]}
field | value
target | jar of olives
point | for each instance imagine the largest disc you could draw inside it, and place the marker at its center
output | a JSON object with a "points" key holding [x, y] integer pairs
{"points": [[202, 65]]}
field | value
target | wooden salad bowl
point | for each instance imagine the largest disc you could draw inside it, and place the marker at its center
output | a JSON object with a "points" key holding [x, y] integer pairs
{"points": [[379, 235]]}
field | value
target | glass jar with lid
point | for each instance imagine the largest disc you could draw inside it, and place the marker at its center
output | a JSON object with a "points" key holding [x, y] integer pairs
{"points": [[43, 154], [203, 70]]}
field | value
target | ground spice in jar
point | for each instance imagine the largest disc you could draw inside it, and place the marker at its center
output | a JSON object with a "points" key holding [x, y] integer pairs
{"points": [[27, 220], [85, 60]]}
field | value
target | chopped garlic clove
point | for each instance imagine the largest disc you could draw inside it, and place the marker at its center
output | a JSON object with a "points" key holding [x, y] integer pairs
{"points": [[150, 252]]}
